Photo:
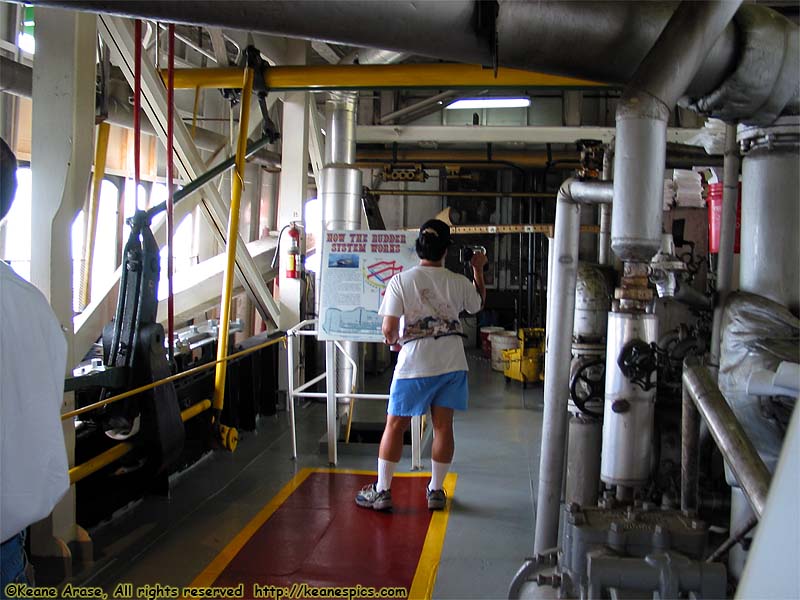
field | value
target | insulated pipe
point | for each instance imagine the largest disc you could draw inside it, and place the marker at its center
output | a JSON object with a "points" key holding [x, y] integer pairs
{"points": [[769, 261], [730, 199], [642, 115], [605, 40], [561, 311], [737, 449]]}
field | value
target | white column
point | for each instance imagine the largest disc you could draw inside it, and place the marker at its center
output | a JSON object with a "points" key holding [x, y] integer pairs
{"points": [[292, 194], [293, 183], [61, 159]]}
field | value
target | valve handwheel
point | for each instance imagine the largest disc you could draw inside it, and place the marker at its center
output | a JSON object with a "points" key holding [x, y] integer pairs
{"points": [[587, 384]]}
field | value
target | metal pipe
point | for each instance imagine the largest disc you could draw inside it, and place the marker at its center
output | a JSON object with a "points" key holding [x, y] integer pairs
{"points": [[438, 98], [208, 176], [356, 77], [231, 238], [461, 194], [341, 193], [330, 395], [730, 199], [604, 256], [290, 396], [769, 259], [690, 450], [560, 310], [733, 540], [100, 153], [171, 378], [606, 39], [737, 449], [642, 114]]}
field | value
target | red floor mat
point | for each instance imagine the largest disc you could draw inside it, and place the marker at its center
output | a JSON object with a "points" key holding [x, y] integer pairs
{"points": [[319, 536]]}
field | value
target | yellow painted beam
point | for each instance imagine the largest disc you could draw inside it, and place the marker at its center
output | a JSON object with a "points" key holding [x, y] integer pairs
{"points": [[351, 77]]}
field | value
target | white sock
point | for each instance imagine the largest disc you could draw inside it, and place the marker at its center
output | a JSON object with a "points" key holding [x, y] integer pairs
{"points": [[439, 471], [385, 472]]}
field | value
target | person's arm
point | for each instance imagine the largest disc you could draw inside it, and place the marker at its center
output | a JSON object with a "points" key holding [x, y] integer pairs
{"points": [[478, 261], [391, 310], [391, 330]]}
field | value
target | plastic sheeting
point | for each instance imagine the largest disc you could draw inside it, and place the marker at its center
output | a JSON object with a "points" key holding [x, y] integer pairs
{"points": [[757, 334]]}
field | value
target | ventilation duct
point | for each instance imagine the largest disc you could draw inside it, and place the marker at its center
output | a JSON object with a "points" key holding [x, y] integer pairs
{"points": [[604, 41]]}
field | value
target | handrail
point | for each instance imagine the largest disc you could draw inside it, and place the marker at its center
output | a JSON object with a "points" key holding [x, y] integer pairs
{"points": [[171, 378], [117, 451]]}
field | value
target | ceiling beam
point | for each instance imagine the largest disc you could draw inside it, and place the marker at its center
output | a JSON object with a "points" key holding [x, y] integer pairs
{"points": [[432, 135]]}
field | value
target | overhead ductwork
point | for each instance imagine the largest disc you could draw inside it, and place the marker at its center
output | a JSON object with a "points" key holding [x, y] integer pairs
{"points": [[642, 116], [604, 41]]}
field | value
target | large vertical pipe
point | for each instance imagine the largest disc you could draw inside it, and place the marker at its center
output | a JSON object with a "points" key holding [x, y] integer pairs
{"points": [[628, 412], [341, 189], [730, 198], [560, 311], [770, 255], [642, 114]]}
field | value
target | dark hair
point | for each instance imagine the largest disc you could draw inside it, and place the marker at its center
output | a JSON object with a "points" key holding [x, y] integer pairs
{"points": [[8, 177], [433, 240]]}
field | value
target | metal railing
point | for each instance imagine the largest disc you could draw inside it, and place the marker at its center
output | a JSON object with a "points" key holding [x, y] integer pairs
{"points": [[105, 458], [333, 397]]}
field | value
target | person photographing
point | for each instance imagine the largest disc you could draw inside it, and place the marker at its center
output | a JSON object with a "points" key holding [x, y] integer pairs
{"points": [[420, 311]]}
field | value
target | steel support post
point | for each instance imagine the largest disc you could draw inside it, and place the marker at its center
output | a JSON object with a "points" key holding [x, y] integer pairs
{"points": [[330, 392]]}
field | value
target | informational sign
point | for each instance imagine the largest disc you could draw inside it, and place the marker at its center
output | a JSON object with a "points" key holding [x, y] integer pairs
{"points": [[356, 268]]}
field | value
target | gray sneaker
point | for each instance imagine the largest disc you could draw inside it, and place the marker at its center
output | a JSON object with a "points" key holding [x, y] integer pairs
{"points": [[437, 499], [369, 497]]}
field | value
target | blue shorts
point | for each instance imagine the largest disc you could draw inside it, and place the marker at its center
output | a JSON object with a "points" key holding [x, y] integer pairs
{"points": [[412, 397]]}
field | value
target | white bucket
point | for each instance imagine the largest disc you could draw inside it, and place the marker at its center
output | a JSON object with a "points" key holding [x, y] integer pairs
{"points": [[507, 340]]}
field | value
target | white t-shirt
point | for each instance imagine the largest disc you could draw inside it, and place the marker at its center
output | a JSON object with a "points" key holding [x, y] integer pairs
{"points": [[33, 357], [429, 300]]}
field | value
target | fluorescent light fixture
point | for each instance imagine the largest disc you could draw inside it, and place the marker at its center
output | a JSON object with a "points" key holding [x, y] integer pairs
{"points": [[473, 103]]}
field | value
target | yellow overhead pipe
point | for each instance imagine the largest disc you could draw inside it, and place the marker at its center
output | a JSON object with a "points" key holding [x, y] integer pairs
{"points": [[100, 154], [233, 232], [352, 77]]}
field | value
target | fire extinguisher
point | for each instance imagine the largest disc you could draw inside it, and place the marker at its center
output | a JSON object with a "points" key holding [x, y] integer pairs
{"points": [[292, 270]]}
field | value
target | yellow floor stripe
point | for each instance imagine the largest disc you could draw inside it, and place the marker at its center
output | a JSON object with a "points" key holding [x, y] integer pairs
{"points": [[427, 567], [209, 575]]}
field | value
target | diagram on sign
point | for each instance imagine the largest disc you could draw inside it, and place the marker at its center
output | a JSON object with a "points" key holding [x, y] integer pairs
{"points": [[356, 268], [379, 273]]}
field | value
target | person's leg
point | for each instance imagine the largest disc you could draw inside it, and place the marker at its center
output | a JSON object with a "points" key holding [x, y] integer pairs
{"points": [[13, 562], [391, 449], [443, 445]]}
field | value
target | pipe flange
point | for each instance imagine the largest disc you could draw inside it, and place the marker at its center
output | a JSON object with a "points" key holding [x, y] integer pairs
{"points": [[784, 134]]}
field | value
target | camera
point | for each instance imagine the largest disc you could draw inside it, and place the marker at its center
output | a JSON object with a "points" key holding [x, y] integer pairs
{"points": [[466, 253]]}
